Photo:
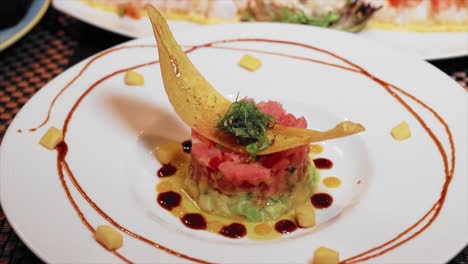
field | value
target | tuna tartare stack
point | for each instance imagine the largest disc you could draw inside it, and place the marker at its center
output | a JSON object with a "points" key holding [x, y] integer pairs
{"points": [[259, 188]]}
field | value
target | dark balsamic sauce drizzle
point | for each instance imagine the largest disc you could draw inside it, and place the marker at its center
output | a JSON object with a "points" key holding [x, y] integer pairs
{"points": [[234, 230], [381, 249], [323, 163], [187, 146], [321, 200], [194, 221], [166, 170], [285, 226], [169, 200]]}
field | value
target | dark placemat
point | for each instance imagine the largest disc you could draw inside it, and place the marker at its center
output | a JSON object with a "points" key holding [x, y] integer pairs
{"points": [[58, 42]]}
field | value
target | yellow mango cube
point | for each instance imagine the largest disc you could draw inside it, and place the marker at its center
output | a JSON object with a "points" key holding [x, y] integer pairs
{"points": [[324, 255], [305, 215], [108, 237], [250, 63], [169, 152], [401, 131], [51, 138], [134, 78]]}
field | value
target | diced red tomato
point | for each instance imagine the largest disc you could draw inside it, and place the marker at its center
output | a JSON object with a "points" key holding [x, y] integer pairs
{"points": [[394, 3], [405, 3], [439, 5], [269, 161], [214, 163], [291, 121], [132, 10], [272, 108], [206, 153], [462, 3], [238, 173], [276, 109]]}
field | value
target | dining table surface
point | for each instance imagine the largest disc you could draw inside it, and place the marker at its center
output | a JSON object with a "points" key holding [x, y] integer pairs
{"points": [[57, 43]]}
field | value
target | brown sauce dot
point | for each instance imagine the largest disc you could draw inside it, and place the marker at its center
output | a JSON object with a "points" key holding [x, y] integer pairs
{"points": [[166, 170], [285, 226], [169, 200], [194, 221], [323, 163], [187, 146], [321, 200], [234, 230]]}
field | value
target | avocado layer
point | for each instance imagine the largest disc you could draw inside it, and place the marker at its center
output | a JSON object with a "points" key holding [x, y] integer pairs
{"points": [[252, 206]]}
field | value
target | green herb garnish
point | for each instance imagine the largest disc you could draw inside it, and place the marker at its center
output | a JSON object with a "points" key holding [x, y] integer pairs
{"points": [[352, 16], [299, 17], [248, 124]]}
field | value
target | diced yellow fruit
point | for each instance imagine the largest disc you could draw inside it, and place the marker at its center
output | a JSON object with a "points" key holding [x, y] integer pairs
{"points": [[51, 138], [134, 78], [401, 131], [108, 237], [169, 152], [324, 255], [250, 62], [305, 215]]}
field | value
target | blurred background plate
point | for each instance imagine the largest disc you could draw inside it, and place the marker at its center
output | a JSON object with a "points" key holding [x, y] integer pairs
{"points": [[10, 35], [427, 46], [99, 15]]}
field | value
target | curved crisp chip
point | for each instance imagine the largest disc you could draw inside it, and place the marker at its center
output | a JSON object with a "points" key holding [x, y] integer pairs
{"points": [[199, 105]]}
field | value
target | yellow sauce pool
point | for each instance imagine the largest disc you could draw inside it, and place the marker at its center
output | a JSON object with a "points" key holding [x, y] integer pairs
{"points": [[331, 182]]}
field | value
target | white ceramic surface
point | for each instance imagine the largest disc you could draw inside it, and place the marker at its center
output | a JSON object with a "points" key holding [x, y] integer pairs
{"points": [[400, 181]]}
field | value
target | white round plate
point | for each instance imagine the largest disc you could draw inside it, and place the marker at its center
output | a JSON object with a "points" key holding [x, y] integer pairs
{"points": [[388, 185]]}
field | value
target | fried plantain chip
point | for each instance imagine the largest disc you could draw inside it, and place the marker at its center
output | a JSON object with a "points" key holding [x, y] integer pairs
{"points": [[199, 105]]}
